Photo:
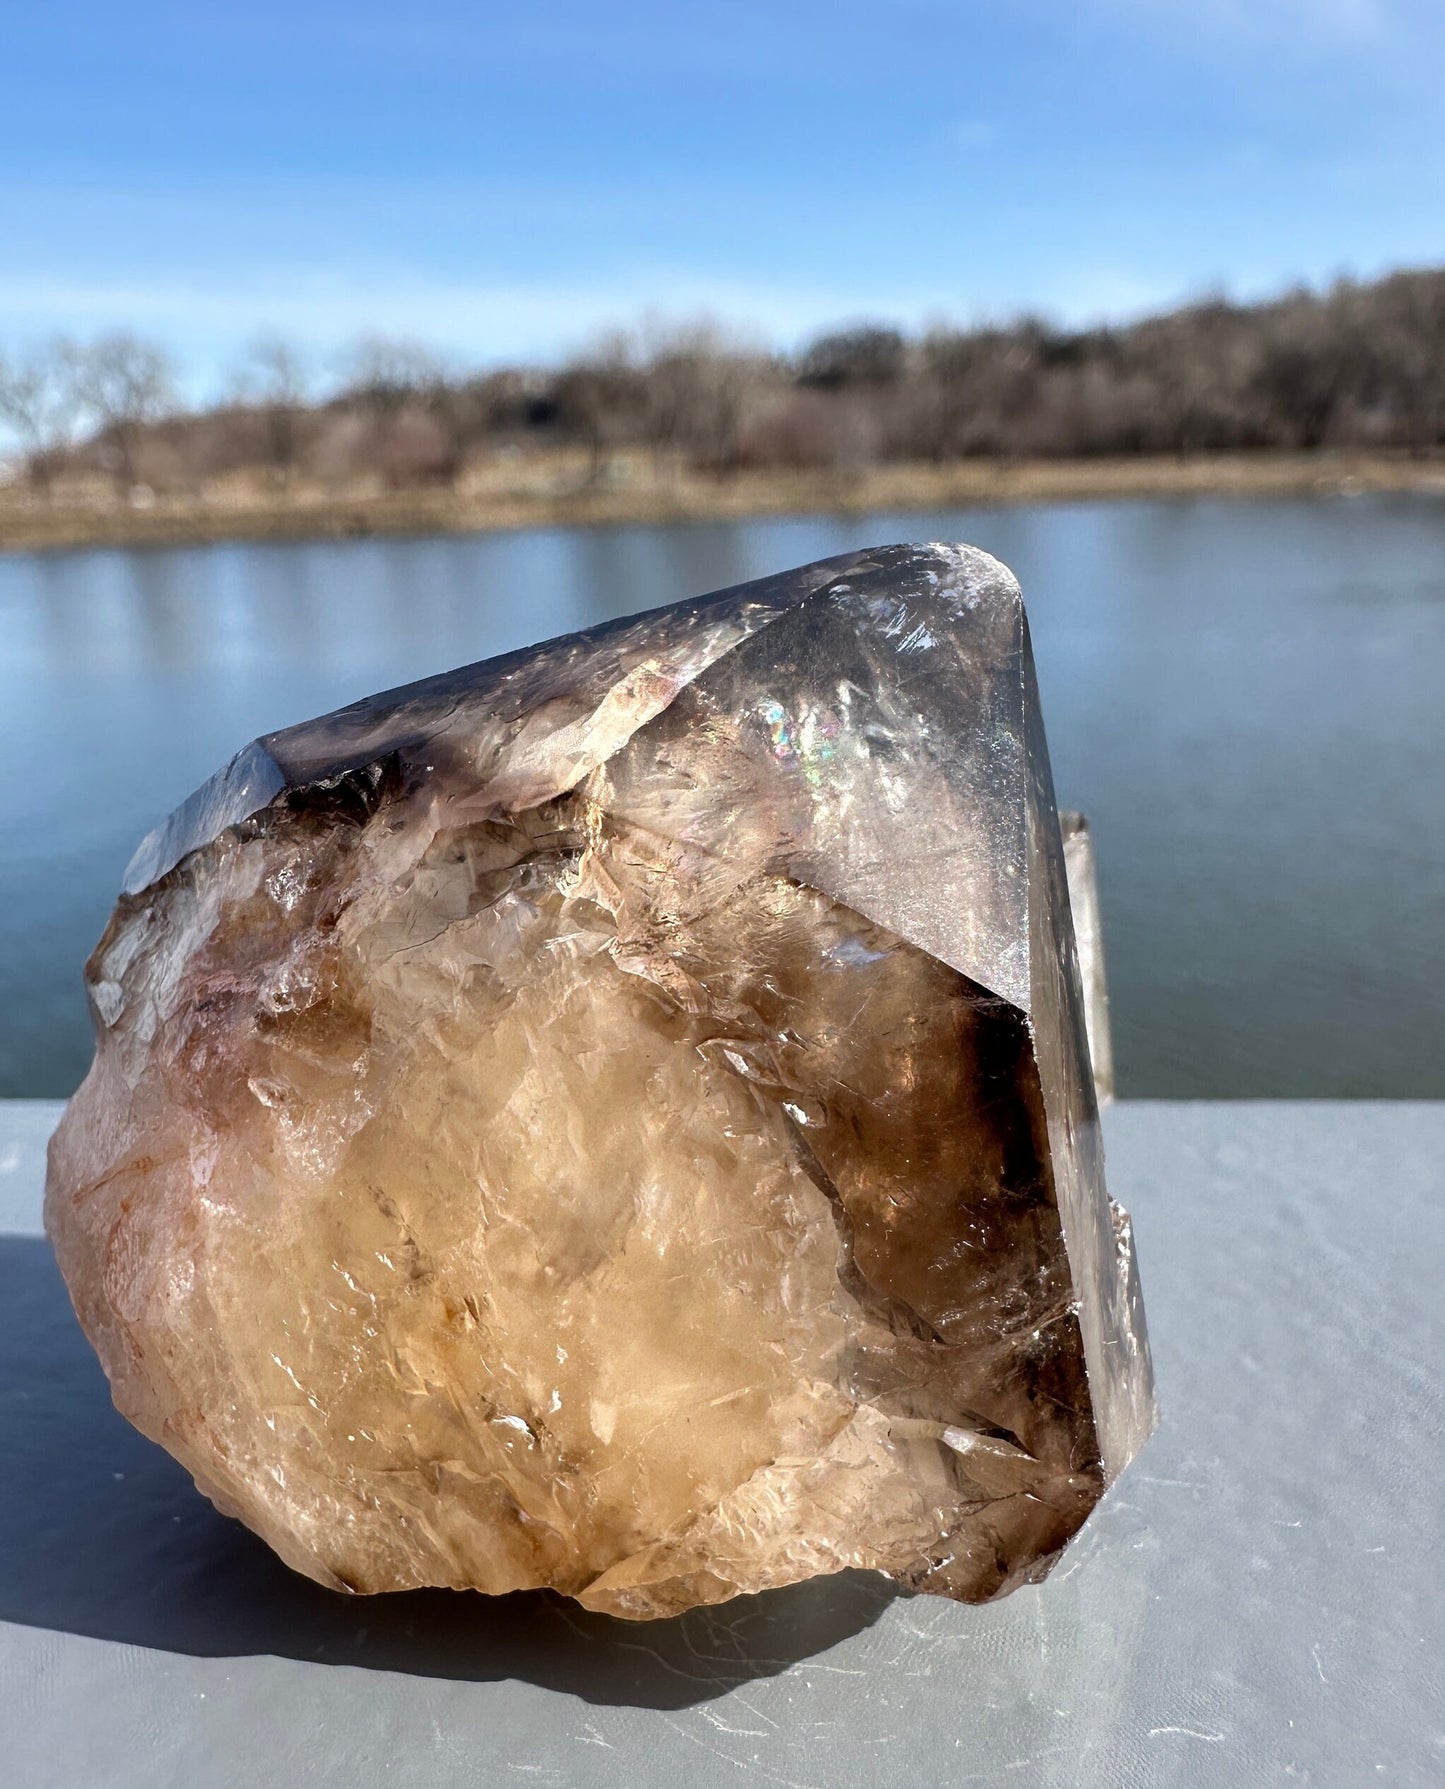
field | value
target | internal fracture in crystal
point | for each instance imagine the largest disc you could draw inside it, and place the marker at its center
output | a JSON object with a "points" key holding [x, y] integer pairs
{"points": [[618, 1117]]}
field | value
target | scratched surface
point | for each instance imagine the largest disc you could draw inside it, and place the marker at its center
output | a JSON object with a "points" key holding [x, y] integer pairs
{"points": [[1259, 1601]]}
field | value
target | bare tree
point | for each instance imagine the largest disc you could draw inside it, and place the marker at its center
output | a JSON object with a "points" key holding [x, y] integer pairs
{"points": [[694, 383], [975, 391], [1306, 358], [40, 400], [867, 354], [276, 381], [418, 419], [600, 397], [1409, 338], [126, 385], [1190, 378], [385, 372]]}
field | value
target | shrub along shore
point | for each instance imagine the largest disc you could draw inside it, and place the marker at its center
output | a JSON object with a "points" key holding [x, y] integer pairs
{"points": [[567, 489]]}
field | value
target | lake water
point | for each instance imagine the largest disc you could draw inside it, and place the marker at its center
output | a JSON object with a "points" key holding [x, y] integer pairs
{"points": [[1246, 697]]}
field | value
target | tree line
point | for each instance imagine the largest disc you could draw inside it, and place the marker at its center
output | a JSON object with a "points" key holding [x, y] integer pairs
{"points": [[1359, 365]]}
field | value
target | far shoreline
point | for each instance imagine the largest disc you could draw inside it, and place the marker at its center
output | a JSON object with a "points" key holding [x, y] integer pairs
{"points": [[562, 490]]}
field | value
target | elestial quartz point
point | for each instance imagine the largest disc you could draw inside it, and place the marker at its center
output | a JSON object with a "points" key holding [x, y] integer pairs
{"points": [[618, 1117]]}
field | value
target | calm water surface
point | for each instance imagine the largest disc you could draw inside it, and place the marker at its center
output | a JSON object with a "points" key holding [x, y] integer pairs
{"points": [[1248, 699]]}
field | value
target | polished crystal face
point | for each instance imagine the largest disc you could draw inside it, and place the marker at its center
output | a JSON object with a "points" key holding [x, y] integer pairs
{"points": [[618, 1117]]}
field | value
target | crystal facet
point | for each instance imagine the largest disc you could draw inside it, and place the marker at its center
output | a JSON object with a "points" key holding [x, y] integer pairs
{"points": [[618, 1117], [1082, 877]]}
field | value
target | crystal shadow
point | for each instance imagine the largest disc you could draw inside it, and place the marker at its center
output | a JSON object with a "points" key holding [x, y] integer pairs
{"points": [[102, 1534]]}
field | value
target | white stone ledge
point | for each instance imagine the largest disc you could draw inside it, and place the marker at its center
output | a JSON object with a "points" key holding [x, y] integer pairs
{"points": [[1258, 1600]]}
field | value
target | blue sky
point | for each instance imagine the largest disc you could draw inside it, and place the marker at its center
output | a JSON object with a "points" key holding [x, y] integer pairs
{"points": [[506, 179]]}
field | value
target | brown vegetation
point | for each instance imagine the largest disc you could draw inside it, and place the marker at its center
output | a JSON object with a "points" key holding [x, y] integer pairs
{"points": [[1309, 388]]}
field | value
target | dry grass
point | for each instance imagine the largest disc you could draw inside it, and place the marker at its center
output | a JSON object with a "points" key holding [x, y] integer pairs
{"points": [[557, 489]]}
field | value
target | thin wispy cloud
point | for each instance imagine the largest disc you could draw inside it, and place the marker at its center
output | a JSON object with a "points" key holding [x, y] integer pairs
{"points": [[970, 133], [1303, 21], [507, 181]]}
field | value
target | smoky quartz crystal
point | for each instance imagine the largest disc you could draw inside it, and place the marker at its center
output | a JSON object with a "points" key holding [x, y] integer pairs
{"points": [[618, 1117]]}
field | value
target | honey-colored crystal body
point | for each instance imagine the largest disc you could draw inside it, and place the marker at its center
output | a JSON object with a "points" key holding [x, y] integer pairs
{"points": [[618, 1117]]}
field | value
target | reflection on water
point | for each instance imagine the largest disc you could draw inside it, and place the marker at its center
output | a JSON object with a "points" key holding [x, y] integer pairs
{"points": [[1248, 699]]}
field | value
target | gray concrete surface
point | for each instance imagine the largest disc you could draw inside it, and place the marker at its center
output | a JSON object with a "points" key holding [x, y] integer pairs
{"points": [[1258, 1601]]}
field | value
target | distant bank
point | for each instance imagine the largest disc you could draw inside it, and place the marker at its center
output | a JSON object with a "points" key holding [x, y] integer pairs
{"points": [[563, 490]]}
